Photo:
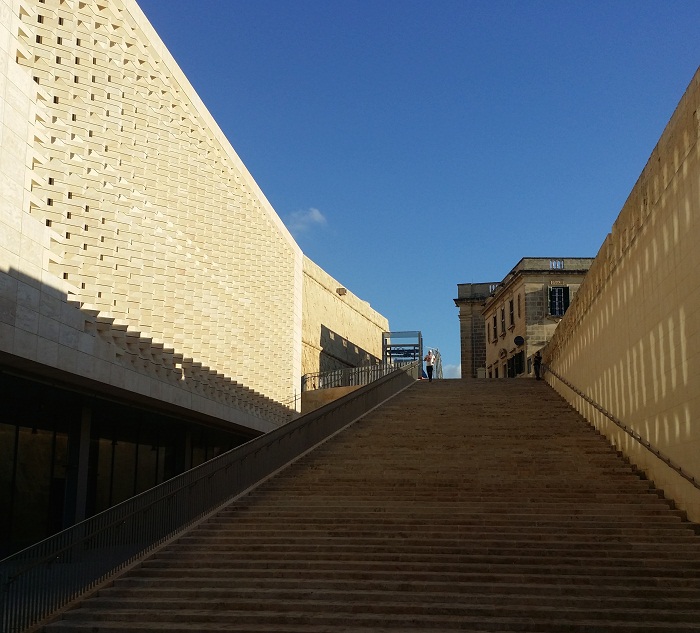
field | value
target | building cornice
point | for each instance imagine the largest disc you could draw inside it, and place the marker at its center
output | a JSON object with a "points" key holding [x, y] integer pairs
{"points": [[535, 267]]}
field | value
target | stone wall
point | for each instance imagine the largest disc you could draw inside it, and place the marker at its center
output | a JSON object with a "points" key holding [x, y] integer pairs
{"points": [[136, 250], [339, 329], [631, 339]]}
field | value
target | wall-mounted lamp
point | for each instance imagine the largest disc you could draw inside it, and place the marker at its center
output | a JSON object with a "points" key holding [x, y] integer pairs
{"points": [[342, 291]]}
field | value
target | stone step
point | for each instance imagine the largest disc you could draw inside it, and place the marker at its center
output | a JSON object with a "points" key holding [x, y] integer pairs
{"points": [[542, 595], [534, 468], [455, 548], [444, 482], [361, 511], [509, 589], [660, 513], [551, 621], [404, 565], [161, 609], [484, 626], [315, 497], [555, 530], [392, 499], [493, 572], [465, 541], [456, 515], [288, 556], [635, 517]]}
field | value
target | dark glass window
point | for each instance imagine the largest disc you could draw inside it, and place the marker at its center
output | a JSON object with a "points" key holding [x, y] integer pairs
{"points": [[558, 300]]}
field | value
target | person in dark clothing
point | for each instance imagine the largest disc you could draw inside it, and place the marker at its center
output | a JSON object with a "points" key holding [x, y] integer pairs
{"points": [[536, 364]]}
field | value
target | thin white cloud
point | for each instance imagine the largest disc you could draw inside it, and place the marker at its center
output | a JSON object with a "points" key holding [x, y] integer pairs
{"points": [[452, 371], [300, 222]]}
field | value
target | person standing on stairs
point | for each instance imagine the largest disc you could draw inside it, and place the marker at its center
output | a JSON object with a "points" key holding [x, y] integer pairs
{"points": [[429, 363], [537, 364]]}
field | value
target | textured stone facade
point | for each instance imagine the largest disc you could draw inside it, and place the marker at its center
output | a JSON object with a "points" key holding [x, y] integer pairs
{"points": [[135, 248], [631, 340]]}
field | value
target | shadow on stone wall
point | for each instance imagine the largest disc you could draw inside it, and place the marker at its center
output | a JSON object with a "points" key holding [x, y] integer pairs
{"points": [[40, 323], [626, 353], [338, 352]]}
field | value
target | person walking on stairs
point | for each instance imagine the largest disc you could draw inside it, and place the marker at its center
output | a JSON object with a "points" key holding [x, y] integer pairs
{"points": [[429, 363]]}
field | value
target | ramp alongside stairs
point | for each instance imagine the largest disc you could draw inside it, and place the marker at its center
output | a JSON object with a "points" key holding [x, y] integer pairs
{"points": [[458, 505]]}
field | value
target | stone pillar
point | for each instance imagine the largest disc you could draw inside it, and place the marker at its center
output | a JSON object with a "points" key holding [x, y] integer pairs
{"points": [[470, 301], [466, 339]]}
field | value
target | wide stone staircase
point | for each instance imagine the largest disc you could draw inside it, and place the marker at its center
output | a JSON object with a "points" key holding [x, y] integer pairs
{"points": [[458, 505]]}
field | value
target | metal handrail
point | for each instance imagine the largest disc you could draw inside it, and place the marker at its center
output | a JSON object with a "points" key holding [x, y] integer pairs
{"points": [[45, 577], [346, 377], [631, 432]]}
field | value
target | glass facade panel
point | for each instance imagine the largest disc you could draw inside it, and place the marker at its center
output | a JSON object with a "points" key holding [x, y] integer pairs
{"points": [[129, 450], [7, 492], [32, 484], [103, 474], [145, 474], [124, 456]]}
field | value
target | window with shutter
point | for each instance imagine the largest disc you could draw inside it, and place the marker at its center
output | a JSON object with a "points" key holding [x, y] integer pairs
{"points": [[558, 300]]}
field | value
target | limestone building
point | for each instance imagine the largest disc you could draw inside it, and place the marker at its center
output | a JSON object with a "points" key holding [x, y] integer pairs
{"points": [[154, 309], [501, 331]]}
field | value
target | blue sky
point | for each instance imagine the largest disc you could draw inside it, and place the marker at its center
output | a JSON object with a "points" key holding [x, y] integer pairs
{"points": [[411, 146]]}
